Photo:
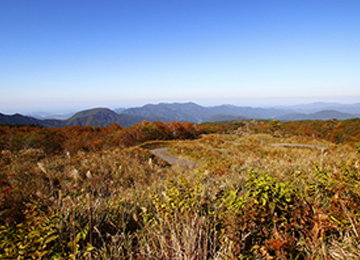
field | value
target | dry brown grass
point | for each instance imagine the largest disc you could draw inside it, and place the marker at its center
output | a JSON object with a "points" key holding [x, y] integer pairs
{"points": [[247, 200]]}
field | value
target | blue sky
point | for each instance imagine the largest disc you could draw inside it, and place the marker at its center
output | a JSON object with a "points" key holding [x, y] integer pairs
{"points": [[72, 55]]}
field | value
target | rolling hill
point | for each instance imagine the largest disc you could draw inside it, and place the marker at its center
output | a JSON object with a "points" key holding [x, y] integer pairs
{"points": [[187, 112], [171, 112], [18, 119], [102, 117], [192, 112], [321, 115]]}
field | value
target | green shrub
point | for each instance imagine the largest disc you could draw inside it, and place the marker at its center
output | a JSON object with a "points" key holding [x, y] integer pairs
{"points": [[35, 238]]}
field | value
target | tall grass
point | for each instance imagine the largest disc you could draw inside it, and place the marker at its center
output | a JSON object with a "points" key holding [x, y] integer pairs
{"points": [[246, 200]]}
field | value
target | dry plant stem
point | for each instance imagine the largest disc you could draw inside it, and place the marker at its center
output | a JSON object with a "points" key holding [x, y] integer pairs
{"points": [[215, 211], [354, 227]]}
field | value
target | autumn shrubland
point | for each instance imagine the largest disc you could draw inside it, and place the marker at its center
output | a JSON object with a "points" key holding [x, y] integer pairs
{"points": [[99, 193]]}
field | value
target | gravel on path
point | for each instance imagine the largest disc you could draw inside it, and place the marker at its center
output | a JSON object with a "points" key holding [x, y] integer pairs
{"points": [[160, 153]]}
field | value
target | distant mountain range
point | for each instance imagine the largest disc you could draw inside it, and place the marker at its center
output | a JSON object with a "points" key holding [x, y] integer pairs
{"points": [[189, 112], [93, 117], [323, 115], [319, 106], [194, 113], [27, 120]]}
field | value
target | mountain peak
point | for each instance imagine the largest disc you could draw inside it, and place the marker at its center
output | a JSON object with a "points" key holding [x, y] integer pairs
{"points": [[190, 112]]}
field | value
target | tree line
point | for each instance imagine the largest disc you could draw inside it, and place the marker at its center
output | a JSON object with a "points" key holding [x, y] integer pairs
{"points": [[88, 138]]}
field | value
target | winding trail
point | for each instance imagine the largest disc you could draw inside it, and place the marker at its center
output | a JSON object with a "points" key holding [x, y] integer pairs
{"points": [[300, 145], [288, 145], [160, 153]]}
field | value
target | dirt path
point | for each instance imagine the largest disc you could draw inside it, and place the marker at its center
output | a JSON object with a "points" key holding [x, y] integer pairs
{"points": [[300, 145], [288, 145], [160, 153]]}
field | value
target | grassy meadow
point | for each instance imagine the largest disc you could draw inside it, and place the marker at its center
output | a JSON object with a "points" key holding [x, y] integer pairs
{"points": [[246, 199]]}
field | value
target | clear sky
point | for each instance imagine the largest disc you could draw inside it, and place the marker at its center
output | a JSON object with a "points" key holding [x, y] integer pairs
{"points": [[77, 54]]}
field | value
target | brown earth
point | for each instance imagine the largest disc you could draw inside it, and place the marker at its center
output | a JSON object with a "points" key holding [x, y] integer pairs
{"points": [[160, 153]]}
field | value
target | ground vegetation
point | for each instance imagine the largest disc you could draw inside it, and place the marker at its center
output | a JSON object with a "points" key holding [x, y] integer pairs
{"points": [[99, 193]]}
